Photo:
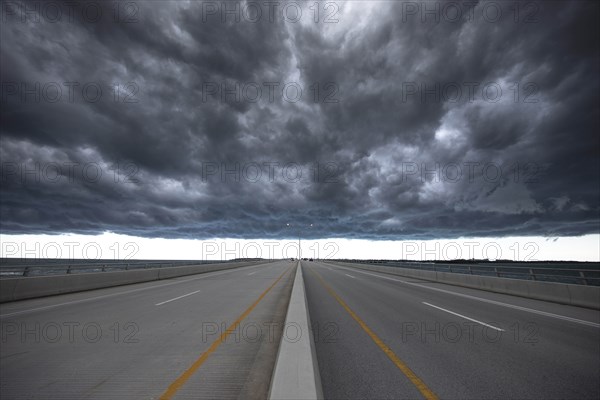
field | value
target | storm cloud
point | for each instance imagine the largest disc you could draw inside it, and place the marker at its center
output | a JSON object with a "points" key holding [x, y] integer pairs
{"points": [[373, 120]]}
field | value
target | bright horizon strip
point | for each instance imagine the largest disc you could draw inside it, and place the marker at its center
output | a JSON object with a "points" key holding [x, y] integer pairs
{"points": [[114, 246]]}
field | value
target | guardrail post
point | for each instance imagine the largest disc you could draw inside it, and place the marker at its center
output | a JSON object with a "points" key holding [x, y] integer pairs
{"points": [[26, 271], [470, 270], [496, 271], [532, 274], [69, 269], [103, 267], [582, 275]]}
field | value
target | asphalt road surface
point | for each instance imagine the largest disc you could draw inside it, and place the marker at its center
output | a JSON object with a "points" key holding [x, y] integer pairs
{"points": [[377, 336], [380, 336], [168, 339]]}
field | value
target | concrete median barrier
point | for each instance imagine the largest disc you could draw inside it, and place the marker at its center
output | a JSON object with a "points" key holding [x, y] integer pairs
{"points": [[564, 293], [12, 289], [296, 373]]}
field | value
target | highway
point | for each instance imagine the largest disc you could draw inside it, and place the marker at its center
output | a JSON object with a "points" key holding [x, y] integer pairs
{"points": [[176, 338], [379, 336], [217, 336]]}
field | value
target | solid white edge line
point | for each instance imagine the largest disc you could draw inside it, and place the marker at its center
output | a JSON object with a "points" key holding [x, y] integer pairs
{"points": [[498, 303], [350, 276], [463, 316], [176, 298]]}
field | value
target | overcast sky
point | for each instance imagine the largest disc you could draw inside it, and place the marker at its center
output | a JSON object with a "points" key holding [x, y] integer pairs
{"points": [[374, 120]]}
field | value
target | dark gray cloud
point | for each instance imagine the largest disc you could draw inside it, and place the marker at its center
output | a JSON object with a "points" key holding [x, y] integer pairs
{"points": [[479, 125]]}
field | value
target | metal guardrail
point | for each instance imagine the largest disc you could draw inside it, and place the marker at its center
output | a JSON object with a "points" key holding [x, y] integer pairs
{"points": [[579, 276], [54, 268]]}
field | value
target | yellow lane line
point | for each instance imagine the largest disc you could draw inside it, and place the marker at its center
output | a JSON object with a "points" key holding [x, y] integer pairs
{"points": [[425, 391], [180, 381]]}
